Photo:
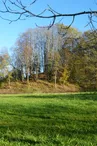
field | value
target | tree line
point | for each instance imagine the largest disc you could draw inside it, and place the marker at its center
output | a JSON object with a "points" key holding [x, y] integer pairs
{"points": [[58, 55]]}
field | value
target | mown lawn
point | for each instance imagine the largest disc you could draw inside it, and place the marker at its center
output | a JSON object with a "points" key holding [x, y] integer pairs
{"points": [[48, 120]]}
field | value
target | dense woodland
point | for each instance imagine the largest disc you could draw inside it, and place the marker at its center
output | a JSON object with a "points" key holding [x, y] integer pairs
{"points": [[61, 55]]}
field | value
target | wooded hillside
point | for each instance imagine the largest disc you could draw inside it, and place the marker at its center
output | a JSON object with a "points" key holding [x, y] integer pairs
{"points": [[58, 55]]}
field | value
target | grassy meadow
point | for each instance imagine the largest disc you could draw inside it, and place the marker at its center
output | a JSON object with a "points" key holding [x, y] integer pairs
{"points": [[48, 120]]}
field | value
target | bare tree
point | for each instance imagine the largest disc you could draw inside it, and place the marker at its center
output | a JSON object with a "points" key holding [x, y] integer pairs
{"points": [[22, 10], [24, 54]]}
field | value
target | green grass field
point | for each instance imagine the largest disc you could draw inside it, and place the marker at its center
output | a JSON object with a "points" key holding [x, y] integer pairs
{"points": [[48, 120]]}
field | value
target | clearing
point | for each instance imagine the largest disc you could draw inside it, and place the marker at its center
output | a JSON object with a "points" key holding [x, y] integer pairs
{"points": [[48, 120]]}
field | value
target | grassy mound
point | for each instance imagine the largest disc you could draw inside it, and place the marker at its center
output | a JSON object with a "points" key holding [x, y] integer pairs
{"points": [[37, 87]]}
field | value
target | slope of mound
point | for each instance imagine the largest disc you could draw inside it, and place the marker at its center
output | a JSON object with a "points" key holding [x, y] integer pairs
{"points": [[37, 87]]}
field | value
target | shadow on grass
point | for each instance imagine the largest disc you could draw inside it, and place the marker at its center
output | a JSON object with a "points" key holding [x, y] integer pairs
{"points": [[81, 96], [50, 129], [48, 120], [23, 140]]}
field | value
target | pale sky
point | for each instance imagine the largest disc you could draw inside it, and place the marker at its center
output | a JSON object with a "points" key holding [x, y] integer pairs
{"points": [[10, 32]]}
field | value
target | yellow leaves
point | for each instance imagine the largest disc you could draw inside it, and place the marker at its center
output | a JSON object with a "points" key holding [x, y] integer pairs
{"points": [[65, 76]]}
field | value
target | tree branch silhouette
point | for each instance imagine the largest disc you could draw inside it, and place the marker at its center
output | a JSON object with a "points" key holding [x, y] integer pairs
{"points": [[22, 12]]}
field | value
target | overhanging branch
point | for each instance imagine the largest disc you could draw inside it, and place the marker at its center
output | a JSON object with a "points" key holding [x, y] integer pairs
{"points": [[23, 11]]}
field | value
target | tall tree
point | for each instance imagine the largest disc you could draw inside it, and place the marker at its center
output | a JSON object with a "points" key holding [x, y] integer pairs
{"points": [[83, 68], [24, 54]]}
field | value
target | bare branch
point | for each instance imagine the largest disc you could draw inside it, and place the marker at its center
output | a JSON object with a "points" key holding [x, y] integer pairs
{"points": [[24, 11], [52, 10], [33, 2], [71, 22]]}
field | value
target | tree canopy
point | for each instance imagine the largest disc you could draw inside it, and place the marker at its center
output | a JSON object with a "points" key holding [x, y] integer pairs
{"points": [[60, 55]]}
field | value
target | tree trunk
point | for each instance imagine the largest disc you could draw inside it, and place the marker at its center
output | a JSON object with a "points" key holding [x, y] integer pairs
{"points": [[55, 78], [22, 74], [28, 75], [36, 73]]}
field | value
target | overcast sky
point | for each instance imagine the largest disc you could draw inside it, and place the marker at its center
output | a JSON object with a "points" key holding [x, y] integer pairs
{"points": [[10, 32]]}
